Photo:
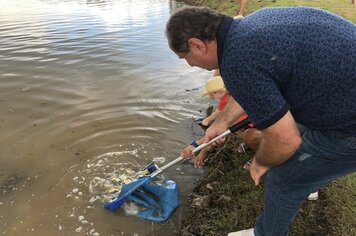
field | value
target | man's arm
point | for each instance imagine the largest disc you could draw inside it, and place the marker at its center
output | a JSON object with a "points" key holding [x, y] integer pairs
{"points": [[279, 142]]}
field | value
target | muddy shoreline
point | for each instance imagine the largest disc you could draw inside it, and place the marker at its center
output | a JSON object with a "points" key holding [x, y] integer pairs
{"points": [[225, 186], [227, 200]]}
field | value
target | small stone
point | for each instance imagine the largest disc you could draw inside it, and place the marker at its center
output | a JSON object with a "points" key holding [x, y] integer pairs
{"points": [[223, 200], [210, 187]]}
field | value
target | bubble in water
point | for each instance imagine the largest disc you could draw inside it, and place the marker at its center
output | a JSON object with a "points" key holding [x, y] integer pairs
{"points": [[108, 175], [159, 160]]}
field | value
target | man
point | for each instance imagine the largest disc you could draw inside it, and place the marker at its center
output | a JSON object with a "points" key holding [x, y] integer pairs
{"points": [[293, 70]]}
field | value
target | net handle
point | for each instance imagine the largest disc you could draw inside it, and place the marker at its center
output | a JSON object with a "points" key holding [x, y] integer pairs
{"points": [[232, 129]]}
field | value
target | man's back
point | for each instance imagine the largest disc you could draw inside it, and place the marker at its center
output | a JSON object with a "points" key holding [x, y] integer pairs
{"points": [[300, 56]]}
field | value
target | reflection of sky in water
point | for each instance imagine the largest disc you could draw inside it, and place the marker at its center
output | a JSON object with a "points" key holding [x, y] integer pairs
{"points": [[107, 36], [89, 19]]}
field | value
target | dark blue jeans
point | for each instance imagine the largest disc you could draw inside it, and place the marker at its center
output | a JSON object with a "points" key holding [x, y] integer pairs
{"points": [[321, 158]]}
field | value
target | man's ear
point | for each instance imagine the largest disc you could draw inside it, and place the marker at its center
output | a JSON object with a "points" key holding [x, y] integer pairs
{"points": [[197, 45]]}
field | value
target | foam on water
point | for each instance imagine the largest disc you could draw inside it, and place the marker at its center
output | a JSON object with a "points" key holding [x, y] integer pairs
{"points": [[107, 175], [99, 180]]}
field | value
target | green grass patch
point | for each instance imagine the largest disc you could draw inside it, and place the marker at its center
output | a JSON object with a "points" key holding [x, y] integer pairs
{"points": [[342, 8]]}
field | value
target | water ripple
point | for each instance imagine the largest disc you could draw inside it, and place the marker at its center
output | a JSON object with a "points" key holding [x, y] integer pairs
{"points": [[80, 79]]}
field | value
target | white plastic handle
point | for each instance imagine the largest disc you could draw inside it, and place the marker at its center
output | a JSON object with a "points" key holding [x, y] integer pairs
{"points": [[200, 147]]}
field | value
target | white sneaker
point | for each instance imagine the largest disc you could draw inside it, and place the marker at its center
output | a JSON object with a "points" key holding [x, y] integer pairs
{"points": [[238, 16], [313, 196], [246, 232]]}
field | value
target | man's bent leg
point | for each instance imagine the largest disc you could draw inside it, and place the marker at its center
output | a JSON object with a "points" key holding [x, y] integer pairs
{"points": [[320, 159]]}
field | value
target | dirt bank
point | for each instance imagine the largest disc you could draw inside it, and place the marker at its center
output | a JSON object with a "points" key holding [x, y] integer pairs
{"points": [[227, 200]]}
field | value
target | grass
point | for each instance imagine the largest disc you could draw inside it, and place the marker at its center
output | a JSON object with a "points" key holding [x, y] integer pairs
{"points": [[343, 8]]}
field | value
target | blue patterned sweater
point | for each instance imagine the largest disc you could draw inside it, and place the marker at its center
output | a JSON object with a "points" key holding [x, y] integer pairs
{"points": [[299, 59]]}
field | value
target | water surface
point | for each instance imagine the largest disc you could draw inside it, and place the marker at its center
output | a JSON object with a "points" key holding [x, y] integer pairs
{"points": [[88, 88]]}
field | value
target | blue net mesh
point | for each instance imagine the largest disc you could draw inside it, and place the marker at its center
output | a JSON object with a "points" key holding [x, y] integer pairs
{"points": [[158, 201]]}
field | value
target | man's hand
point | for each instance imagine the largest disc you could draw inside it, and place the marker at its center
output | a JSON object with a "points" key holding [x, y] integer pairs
{"points": [[256, 171]]}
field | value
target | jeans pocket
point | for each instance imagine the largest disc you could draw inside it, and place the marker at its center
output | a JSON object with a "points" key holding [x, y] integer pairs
{"points": [[327, 145]]}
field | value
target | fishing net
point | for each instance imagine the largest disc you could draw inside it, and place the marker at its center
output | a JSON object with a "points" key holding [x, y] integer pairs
{"points": [[158, 201], [137, 192], [155, 200]]}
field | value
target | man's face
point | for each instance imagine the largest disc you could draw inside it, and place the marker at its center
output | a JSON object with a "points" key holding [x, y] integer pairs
{"points": [[201, 54], [194, 59]]}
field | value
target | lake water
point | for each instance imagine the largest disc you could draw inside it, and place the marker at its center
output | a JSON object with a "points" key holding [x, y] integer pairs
{"points": [[88, 88]]}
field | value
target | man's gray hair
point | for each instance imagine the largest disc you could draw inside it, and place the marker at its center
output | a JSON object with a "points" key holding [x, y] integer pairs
{"points": [[191, 22]]}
